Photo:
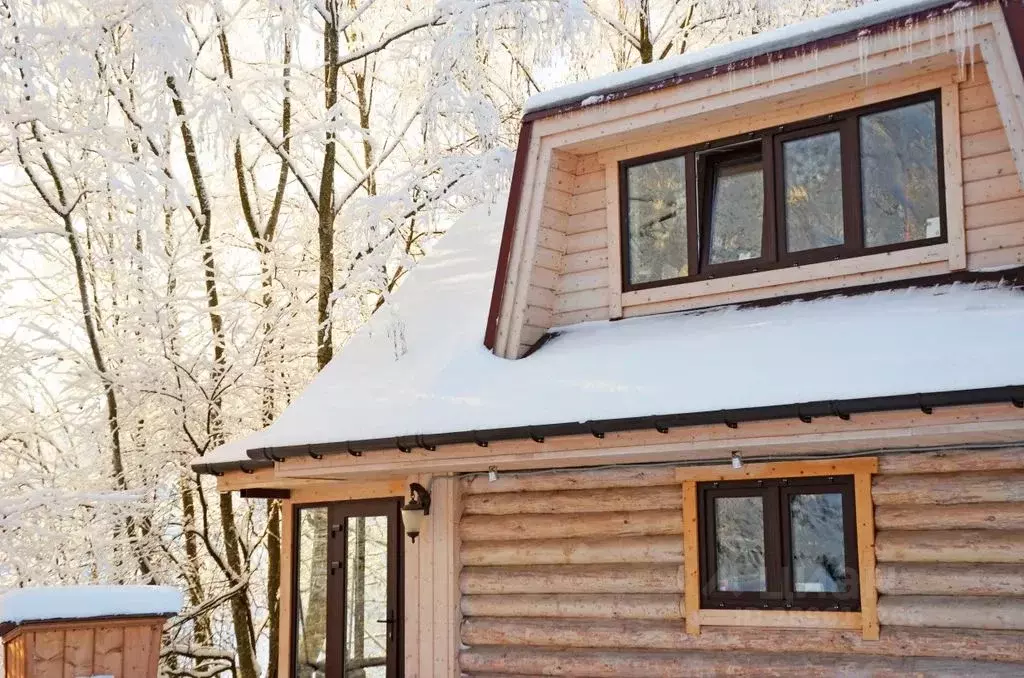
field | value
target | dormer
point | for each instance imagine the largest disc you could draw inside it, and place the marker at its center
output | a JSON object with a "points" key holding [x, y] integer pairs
{"points": [[880, 149]]}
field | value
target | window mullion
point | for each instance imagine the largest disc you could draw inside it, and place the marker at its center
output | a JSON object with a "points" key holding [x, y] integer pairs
{"points": [[693, 248], [853, 227], [772, 543], [769, 232], [337, 557]]}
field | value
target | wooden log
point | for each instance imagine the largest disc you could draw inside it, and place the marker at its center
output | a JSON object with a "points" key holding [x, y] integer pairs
{"points": [[576, 606], [1007, 646], [959, 612], [651, 578], [655, 664], [948, 488], [950, 546], [555, 526], [984, 516], [965, 579], [666, 497], [1010, 459], [632, 550], [635, 550], [574, 480]]}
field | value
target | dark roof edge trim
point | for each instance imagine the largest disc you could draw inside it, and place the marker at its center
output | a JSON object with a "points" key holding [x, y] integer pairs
{"points": [[751, 60], [807, 412], [1010, 277], [515, 194]]}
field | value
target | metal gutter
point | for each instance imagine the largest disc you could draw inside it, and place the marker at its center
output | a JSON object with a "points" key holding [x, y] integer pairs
{"points": [[663, 423]]}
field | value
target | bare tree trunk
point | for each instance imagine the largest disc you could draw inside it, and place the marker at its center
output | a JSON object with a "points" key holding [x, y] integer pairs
{"points": [[325, 201], [241, 615], [263, 241], [358, 597], [646, 47]]}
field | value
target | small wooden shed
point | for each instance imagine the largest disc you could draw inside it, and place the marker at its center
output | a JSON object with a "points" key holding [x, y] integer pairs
{"points": [[81, 632]]}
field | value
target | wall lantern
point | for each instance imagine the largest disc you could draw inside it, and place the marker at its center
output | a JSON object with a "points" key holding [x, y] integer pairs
{"points": [[415, 509]]}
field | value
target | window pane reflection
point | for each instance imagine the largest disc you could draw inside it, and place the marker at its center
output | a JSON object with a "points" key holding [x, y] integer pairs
{"points": [[819, 557], [900, 175], [739, 543], [813, 196], [737, 212], [311, 599], [657, 220], [366, 597]]}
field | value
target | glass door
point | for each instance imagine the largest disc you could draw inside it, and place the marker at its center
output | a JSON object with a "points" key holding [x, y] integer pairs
{"points": [[347, 617]]}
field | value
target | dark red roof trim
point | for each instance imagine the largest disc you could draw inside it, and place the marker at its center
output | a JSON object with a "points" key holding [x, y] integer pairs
{"points": [[1013, 12], [515, 195]]}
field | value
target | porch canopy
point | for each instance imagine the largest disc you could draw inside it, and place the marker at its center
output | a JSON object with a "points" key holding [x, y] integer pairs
{"points": [[417, 374]]}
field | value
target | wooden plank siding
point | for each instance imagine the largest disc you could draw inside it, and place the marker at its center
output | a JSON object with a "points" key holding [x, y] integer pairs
{"points": [[541, 297], [574, 259], [593, 585], [122, 648]]}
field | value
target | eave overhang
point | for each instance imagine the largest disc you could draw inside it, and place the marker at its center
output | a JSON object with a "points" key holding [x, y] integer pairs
{"points": [[261, 458]]}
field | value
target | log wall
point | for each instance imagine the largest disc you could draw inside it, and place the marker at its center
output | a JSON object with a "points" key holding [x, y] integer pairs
{"points": [[570, 275], [579, 573]]}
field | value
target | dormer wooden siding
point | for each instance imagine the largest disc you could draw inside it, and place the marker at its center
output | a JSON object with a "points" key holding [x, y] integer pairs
{"points": [[563, 246]]}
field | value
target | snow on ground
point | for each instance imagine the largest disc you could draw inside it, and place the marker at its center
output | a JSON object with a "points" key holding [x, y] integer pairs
{"points": [[794, 35], [88, 602], [419, 365]]}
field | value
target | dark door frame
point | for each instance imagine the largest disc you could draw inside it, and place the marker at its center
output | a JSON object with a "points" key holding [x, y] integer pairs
{"points": [[337, 547]]}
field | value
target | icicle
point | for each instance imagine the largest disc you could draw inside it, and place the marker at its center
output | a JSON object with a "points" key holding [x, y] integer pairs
{"points": [[863, 49]]}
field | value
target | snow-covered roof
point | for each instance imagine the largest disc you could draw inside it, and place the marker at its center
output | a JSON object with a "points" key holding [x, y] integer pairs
{"points": [[419, 367], [788, 37], [88, 602]]}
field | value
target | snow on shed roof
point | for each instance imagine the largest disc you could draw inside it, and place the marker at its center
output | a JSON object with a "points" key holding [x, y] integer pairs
{"points": [[418, 367], [679, 66], [88, 602]]}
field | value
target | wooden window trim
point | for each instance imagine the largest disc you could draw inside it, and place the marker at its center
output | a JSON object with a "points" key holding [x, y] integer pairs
{"points": [[866, 619], [774, 255]]}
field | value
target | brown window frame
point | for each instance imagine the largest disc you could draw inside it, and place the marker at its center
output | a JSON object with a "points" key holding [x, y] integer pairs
{"points": [[779, 593], [700, 184], [337, 553]]}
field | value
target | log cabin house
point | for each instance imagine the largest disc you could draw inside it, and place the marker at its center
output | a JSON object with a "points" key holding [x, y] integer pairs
{"points": [[734, 384]]}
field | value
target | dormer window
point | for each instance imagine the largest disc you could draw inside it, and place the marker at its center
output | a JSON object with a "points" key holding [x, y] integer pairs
{"points": [[859, 182]]}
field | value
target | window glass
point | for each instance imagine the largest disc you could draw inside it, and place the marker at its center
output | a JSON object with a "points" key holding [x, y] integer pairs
{"points": [[812, 173], [656, 193], [899, 175], [737, 212], [311, 601], [366, 597], [739, 544], [818, 553]]}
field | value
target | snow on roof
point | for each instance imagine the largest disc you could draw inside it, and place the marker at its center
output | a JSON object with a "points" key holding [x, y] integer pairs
{"points": [[592, 91], [419, 365], [88, 602]]}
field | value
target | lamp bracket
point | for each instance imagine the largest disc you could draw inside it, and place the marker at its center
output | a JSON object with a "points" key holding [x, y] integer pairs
{"points": [[420, 496]]}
